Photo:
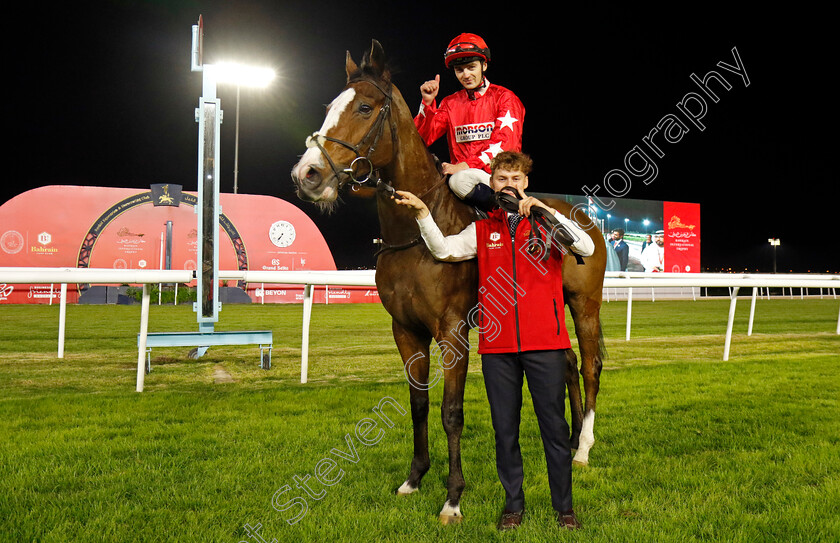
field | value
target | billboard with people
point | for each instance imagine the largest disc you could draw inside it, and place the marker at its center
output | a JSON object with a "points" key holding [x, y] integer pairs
{"points": [[645, 235]]}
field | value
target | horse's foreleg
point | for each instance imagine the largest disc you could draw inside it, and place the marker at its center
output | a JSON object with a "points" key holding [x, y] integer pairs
{"points": [[415, 354], [588, 332], [453, 357]]}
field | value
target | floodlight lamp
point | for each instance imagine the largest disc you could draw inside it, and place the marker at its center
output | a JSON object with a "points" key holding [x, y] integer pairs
{"points": [[243, 75]]}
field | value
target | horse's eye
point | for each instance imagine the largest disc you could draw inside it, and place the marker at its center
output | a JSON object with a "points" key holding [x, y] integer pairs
{"points": [[365, 109]]}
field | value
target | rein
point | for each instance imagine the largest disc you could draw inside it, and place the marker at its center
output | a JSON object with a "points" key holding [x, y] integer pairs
{"points": [[540, 217], [418, 238]]}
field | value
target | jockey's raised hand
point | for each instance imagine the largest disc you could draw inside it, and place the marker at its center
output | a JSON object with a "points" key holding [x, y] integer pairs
{"points": [[429, 90]]}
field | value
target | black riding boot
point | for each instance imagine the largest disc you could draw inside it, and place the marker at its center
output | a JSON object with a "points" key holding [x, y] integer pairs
{"points": [[481, 197]]}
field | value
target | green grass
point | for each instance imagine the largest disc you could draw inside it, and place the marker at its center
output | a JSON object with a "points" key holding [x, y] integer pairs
{"points": [[689, 448]]}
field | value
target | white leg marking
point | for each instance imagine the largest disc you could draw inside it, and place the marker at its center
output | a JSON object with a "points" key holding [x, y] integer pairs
{"points": [[587, 439], [450, 513], [406, 489]]}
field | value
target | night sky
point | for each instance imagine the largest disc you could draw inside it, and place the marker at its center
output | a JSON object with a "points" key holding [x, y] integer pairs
{"points": [[101, 94]]}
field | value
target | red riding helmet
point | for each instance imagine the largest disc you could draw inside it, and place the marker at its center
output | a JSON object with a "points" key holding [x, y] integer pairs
{"points": [[466, 48]]}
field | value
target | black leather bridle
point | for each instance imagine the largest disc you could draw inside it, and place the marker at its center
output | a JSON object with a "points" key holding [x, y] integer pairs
{"points": [[371, 140]]}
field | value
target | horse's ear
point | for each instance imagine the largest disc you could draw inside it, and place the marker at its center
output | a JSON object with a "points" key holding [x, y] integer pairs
{"points": [[350, 66], [375, 60]]}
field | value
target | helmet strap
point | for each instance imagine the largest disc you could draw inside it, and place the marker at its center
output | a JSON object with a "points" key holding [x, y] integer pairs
{"points": [[471, 94]]}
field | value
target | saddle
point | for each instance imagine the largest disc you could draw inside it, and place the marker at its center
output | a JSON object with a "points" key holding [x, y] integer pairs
{"points": [[540, 217]]}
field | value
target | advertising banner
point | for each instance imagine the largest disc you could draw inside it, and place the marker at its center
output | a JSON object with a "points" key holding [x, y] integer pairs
{"points": [[99, 227], [644, 235], [682, 237]]}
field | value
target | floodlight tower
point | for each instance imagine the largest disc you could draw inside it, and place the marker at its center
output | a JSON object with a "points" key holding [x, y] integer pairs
{"points": [[208, 115], [774, 242]]}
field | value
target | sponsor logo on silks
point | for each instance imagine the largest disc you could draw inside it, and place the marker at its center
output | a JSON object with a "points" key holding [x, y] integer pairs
{"points": [[474, 132]]}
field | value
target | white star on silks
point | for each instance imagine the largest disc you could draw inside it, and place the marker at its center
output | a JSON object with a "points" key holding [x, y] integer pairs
{"points": [[507, 120], [493, 150]]}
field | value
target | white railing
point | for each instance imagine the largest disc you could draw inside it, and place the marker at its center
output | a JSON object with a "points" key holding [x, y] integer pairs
{"points": [[99, 276], [628, 280]]}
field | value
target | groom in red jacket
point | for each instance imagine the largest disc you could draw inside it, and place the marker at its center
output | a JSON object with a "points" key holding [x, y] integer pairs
{"points": [[521, 326]]}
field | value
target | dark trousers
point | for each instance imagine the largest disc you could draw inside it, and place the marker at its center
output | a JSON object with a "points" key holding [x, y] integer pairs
{"points": [[545, 371]]}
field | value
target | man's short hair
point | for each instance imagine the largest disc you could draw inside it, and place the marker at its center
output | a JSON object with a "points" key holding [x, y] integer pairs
{"points": [[619, 231], [512, 161]]}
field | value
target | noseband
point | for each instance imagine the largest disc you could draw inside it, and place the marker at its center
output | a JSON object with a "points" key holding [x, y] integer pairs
{"points": [[370, 139]]}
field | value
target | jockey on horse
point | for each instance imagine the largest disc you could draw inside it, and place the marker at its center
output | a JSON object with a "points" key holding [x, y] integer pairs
{"points": [[480, 121]]}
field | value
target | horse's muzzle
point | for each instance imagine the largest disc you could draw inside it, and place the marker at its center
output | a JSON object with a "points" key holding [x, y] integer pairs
{"points": [[311, 185]]}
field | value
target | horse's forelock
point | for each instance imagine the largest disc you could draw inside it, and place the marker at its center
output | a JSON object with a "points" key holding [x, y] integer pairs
{"points": [[366, 73]]}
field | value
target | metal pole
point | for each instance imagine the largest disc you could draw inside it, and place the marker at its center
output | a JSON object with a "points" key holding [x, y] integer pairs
{"points": [[236, 148]]}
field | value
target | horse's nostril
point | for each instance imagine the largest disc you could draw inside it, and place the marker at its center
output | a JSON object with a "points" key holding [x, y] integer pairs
{"points": [[311, 177]]}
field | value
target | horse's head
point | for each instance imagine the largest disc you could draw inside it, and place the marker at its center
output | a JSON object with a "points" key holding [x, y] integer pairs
{"points": [[357, 137]]}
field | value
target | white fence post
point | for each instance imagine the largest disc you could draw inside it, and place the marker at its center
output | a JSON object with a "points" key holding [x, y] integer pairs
{"points": [[752, 311], [629, 312], [732, 302], [141, 341], [62, 319], [304, 347]]}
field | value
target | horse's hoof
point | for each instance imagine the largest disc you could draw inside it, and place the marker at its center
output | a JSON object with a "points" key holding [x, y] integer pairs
{"points": [[450, 514], [406, 489], [581, 458]]}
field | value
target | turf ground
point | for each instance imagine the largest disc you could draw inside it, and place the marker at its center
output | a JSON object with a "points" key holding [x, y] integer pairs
{"points": [[689, 448]]}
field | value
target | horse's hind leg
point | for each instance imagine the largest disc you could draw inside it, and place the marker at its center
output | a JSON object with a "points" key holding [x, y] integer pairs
{"points": [[575, 398], [586, 314], [415, 354]]}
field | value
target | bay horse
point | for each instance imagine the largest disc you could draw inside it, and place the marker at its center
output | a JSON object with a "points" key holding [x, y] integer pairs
{"points": [[369, 138]]}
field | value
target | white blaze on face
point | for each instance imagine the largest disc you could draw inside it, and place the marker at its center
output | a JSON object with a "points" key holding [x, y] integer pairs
{"points": [[312, 157]]}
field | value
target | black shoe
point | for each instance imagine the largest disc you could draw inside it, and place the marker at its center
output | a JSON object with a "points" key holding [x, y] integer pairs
{"points": [[568, 520], [510, 520]]}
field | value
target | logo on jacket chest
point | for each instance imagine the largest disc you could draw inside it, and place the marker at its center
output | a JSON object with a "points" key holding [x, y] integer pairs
{"points": [[474, 132], [495, 241]]}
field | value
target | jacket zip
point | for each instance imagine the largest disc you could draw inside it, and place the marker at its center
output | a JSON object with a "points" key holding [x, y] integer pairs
{"points": [[515, 298]]}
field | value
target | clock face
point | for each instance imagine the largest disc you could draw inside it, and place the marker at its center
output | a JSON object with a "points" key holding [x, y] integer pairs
{"points": [[282, 233]]}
